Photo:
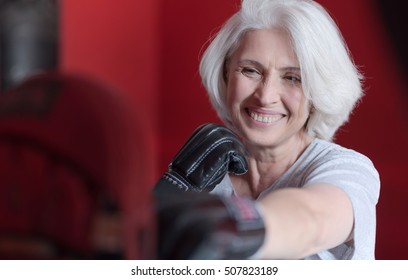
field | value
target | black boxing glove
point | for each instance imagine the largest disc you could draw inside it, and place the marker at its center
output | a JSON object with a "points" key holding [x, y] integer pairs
{"points": [[210, 152], [205, 226]]}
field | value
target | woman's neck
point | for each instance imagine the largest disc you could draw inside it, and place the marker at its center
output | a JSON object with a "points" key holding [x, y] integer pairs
{"points": [[266, 165]]}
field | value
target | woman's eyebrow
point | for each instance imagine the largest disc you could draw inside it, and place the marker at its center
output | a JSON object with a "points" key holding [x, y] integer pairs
{"points": [[250, 61], [290, 68]]}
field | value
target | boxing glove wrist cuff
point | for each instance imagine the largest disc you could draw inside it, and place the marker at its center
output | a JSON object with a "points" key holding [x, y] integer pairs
{"points": [[182, 183], [258, 253], [249, 225]]}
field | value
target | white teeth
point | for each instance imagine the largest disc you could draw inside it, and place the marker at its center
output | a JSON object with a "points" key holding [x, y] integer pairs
{"points": [[264, 119]]}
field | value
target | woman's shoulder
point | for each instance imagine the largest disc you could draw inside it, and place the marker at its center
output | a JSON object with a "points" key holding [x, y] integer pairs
{"points": [[330, 150], [332, 158]]}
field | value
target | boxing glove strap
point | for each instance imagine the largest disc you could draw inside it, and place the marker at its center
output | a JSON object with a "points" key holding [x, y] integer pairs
{"points": [[249, 225]]}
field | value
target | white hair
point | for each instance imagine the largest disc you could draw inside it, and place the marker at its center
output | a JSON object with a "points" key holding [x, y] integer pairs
{"points": [[330, 79]]}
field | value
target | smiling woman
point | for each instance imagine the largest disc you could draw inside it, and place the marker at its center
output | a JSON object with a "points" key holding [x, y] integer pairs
{"points": [[329, 77], [280, 76], [264, 93]]}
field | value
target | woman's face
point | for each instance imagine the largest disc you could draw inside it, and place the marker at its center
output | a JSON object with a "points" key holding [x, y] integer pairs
{"points": [[264, 89]]}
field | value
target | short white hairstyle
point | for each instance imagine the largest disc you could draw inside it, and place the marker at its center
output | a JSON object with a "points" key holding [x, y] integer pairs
{"points": [[331, 81]]}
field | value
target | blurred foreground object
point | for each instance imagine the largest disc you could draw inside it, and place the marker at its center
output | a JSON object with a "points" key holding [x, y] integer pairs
{"points": [[70, 156], [204, 226]]}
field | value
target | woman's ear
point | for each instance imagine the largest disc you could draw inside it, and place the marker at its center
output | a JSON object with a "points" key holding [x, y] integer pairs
{"points": [[311, 109]]}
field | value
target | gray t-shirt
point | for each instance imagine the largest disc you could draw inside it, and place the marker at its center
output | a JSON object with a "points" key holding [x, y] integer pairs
{"points": [[354, 173]]}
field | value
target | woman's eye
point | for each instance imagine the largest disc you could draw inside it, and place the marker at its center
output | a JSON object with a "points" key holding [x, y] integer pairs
{"points": [[293, 79], [250, 72]]}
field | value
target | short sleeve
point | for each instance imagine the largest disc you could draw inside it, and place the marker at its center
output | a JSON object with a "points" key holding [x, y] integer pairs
{"points": [[356, 175]]}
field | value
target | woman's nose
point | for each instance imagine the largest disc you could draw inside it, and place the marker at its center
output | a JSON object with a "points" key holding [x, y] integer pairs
{"points": [[268, 92]]}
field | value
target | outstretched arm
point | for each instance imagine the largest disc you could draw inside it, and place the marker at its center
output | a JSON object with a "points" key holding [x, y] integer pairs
{"points": [[303, 221]]}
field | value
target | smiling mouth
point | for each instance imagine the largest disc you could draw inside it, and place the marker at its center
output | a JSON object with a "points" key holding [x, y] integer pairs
{"points": [[264, 118]]}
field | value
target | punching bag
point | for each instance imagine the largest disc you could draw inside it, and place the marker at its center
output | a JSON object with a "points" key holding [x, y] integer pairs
{"points": [[28, 39]]}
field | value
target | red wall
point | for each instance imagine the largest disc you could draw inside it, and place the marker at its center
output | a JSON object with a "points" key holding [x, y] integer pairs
{"points": [[186, 27], [150, 49], [119, 45]]}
